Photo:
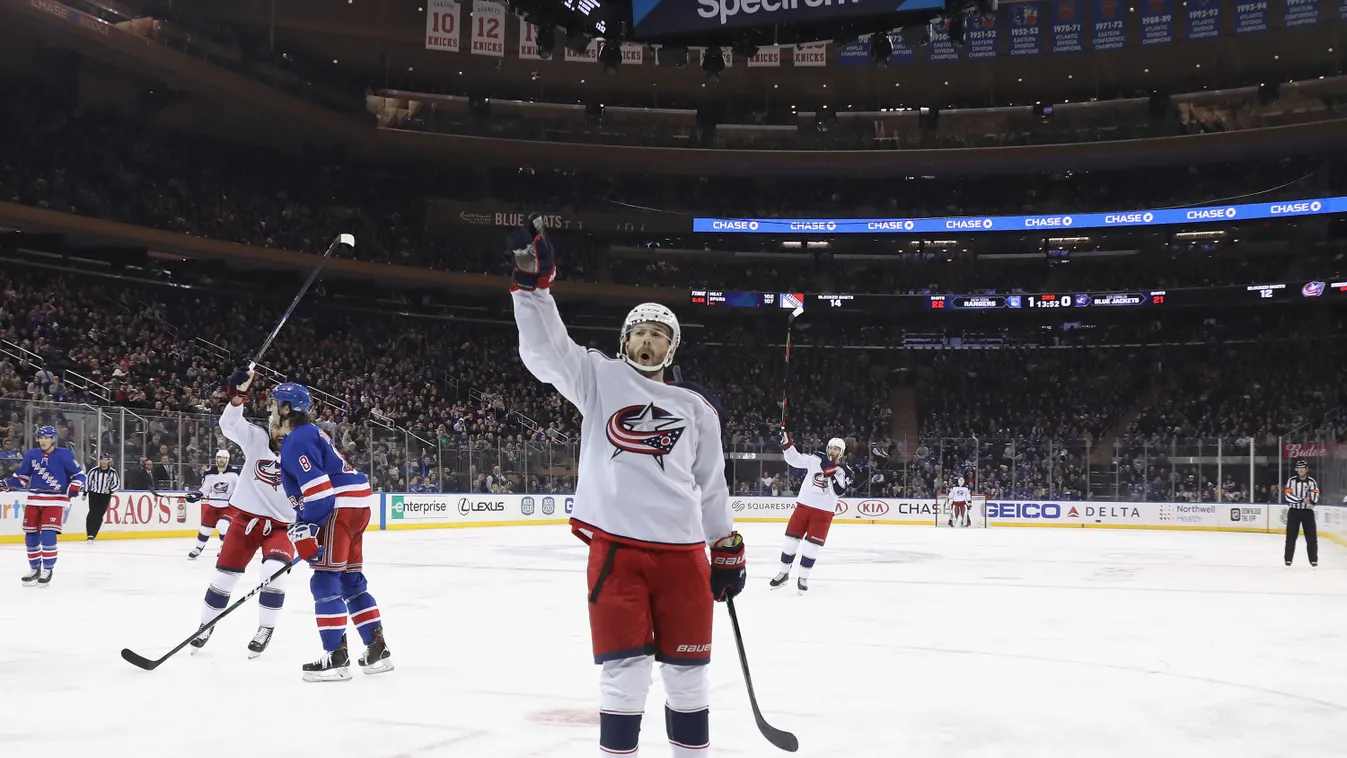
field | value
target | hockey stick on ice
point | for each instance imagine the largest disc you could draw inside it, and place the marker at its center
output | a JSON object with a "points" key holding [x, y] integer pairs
{"points": [[140, 661], [784, 740], [342, 240]]}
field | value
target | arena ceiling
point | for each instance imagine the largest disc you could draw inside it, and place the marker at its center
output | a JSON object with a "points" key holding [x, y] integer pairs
{"points": [[382, 43]]}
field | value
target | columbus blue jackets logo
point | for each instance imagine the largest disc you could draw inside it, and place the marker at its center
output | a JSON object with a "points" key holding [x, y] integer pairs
{"points": [[645, 430], [268, 473]]}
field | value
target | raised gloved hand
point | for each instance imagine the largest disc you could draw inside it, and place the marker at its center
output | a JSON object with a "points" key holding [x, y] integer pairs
{"points": [[239, 383], [535, 264], [305, 537], [729, 567], [785, 439]]}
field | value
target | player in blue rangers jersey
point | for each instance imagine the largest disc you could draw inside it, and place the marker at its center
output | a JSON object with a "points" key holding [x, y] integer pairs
{"points": [[332, 506], [51, 476]]}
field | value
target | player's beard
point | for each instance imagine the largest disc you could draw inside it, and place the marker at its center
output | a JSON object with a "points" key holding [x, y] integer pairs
{"points": [[647, 360]]}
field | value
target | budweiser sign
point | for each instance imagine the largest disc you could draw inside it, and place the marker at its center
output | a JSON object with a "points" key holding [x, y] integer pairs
{"points": [[1305, 450]]}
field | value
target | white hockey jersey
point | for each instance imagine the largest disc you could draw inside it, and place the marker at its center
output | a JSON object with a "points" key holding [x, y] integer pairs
{"points": [[817, 491], [652, 471], [960, 495], [259, 489], [217, 488]]}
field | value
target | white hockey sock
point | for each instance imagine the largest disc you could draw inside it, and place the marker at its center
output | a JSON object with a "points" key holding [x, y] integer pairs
{"points": [[217, 594], [808, 554], [273, 597], [788, 551]]}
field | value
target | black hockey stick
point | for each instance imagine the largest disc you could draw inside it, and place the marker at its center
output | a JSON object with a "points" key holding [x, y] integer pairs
{"points": [[342, 240], [140, 661], [785, 386], [784, 740]]}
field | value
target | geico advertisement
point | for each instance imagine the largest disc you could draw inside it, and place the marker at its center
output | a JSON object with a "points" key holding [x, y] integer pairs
{"points": [[127, 512], [475, 507]]}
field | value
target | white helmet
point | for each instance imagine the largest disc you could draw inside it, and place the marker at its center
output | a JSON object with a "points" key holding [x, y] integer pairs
{"points": [[960, 481], [222, 454], [650, 313], [839, 443]]}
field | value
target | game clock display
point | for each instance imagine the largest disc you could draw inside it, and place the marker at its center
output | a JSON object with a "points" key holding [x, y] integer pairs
{"points": [[1312, 290]]}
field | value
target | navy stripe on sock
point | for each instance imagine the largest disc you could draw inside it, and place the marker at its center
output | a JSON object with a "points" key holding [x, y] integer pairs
{"points": [[690, 730], [788, 557], [807, 562], [619, 732]]}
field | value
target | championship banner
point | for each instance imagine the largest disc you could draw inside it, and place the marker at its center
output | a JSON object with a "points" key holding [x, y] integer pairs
{"points": [[442, 17], [979, 36], [767, 57], [903, 52], [1068, 27], [858, 53], [633, 54], [590, 55], [1342, 11], [1251, 17], [1157, 22], [1204, 19], [1025, 33], [942, 47], [1301, 13], [813, 55], [488, 29], [528, 42], [1107, 25]]}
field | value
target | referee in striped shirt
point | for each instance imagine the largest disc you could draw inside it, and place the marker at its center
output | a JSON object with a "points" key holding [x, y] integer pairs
{"points": [[101, 483], [1302, 494]]}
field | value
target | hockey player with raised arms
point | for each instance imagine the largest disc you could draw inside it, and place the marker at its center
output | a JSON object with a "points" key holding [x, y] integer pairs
{"points": [[261, 511], [216, 489], [52, 476], [651, 497], [826, 478], [332, 507]]}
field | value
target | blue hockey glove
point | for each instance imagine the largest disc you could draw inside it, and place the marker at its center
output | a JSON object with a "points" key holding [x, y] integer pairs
{"points": [[729, 567], [305, 537], [239, 383]]}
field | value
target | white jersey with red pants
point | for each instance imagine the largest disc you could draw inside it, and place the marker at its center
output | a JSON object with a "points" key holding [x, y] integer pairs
{"points": [[217, 487], [261, 513], [959, 501], [651, 496], [824, 482]]}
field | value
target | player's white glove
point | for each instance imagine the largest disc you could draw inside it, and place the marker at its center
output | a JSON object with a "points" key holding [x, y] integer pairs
{"points": [[785, 439]]}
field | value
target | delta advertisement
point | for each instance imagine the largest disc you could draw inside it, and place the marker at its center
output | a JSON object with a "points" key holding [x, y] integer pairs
{"points": [[130, 514]]}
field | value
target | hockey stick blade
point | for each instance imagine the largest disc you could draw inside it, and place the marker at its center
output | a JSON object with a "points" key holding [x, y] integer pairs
{"points": [[342, 241], [141, 662], [781, 739]]}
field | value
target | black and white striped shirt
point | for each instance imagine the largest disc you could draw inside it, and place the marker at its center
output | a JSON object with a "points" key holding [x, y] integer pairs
{"points": [[104, 481], [1302, 493]]}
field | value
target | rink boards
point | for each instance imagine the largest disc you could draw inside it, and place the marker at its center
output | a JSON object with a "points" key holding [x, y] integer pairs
{"points": [[135, 515]]}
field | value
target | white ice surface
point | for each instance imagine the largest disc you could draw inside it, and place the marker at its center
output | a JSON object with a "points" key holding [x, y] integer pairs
{"points": [[913, 642]]}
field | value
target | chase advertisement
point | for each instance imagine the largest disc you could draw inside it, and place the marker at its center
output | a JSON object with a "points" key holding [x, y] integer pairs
{"points": [[656, 17]]}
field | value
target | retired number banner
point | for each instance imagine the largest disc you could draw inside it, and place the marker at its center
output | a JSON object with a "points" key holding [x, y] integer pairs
{"points": [[814, 55], [488, 29], [442, 17]]}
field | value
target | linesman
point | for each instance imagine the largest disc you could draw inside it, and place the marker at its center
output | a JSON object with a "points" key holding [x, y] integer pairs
{"points": [[1302, 494], [103, 481]]}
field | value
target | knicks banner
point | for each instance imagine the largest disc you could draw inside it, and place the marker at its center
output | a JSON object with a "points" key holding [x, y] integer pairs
{"points": [[1157, 22], [1204, 19], [979, 36], [528, 42], [942, 47], [1068, 27], [1107, 25], [813, 55], [1250, 16], [442, 17], [1025, 32], [488, 29], [590, 55], [767, 57], [1301, 13]]}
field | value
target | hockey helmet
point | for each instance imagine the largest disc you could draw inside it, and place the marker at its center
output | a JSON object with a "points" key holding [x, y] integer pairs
{"points": [[294, 394], [46, 431], [959, 481], [222, 454], [839, 443], [650, 313]]}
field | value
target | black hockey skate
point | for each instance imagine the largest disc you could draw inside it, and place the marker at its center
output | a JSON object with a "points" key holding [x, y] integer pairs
{"points": [[260, 641], [200, 640], [30, 579], [376, 658], [196, 552], [780, 580], [44, 579], [951, 522], [802, 586], [332, 667]]}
